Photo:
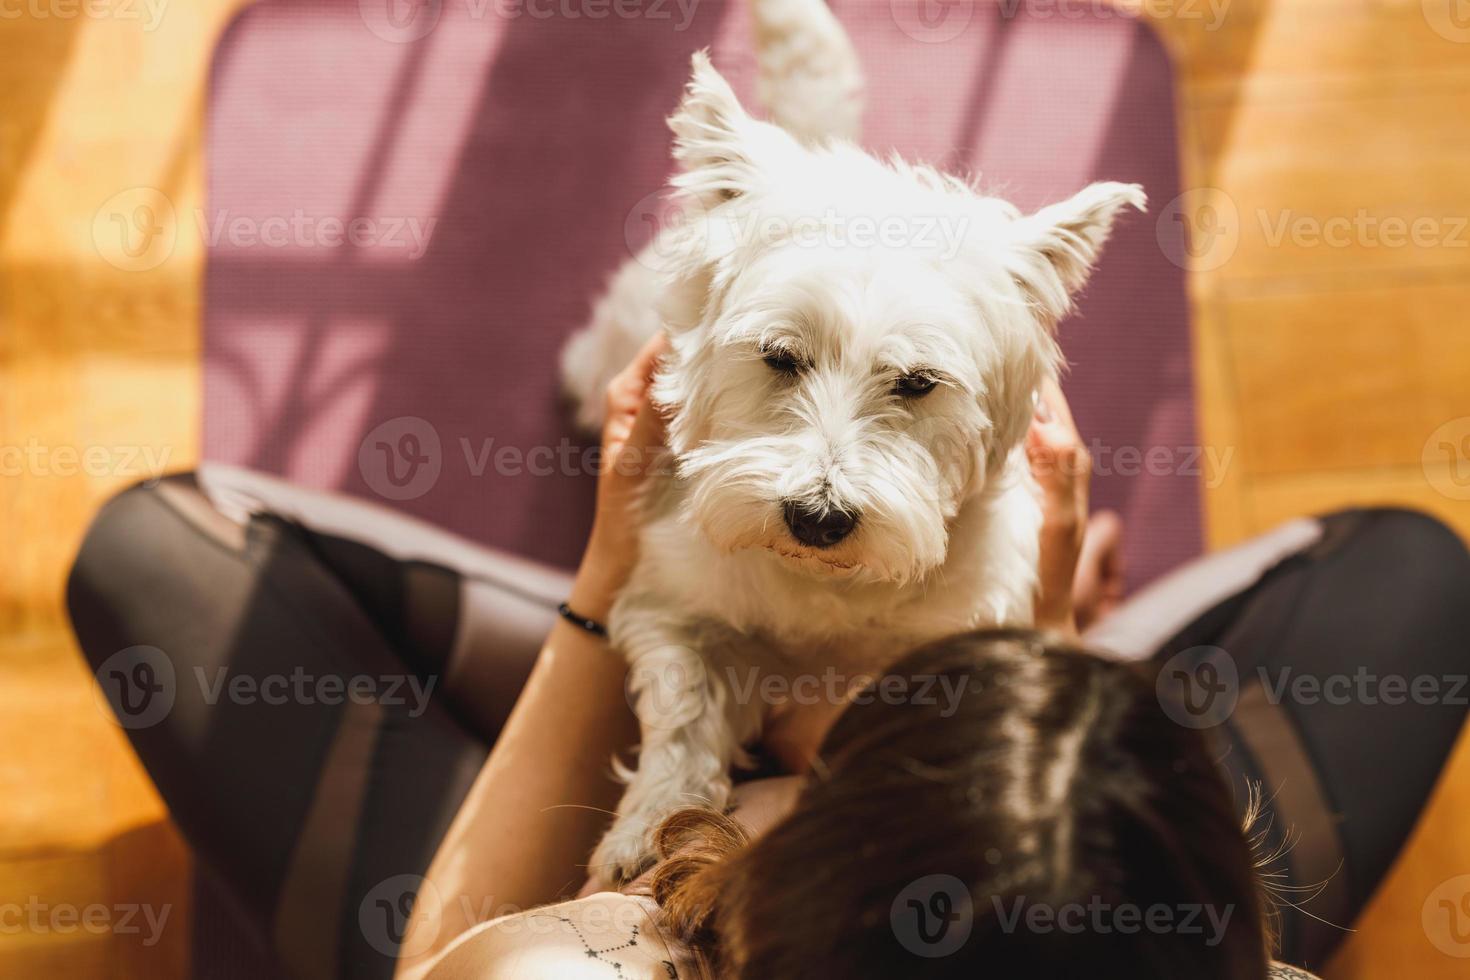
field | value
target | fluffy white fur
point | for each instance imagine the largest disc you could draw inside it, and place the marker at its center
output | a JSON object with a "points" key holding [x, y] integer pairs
{"points": [[966, 291]]}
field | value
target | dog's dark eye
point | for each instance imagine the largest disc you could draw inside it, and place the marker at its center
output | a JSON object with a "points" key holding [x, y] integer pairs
{"points": [[914, 385], [780, 360]]}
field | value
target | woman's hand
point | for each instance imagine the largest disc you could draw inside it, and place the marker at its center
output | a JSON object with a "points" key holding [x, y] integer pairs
{"points": [[632, 451], [1062, 467], [1081, 556]]}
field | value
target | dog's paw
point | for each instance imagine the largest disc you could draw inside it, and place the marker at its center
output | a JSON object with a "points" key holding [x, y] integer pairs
{"points": [[624, 853]]}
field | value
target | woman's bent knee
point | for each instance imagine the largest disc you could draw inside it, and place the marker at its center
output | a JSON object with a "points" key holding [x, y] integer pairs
{"points": [[134, 556]]}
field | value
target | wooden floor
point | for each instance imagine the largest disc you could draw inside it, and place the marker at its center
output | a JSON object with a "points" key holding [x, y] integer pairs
{"points": [[1337, 365], [1334, 365], [91, 355]]}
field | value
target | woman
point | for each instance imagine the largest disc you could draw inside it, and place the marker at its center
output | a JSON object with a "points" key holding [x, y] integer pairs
{"points": [[1049, 821], [323, 813]]}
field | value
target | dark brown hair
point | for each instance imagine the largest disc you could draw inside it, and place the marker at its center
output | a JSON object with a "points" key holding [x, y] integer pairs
{"points": [[1053, 793]]}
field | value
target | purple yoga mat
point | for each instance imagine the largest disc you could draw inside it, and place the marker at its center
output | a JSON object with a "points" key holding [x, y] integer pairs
{"points": [[411, 205]]}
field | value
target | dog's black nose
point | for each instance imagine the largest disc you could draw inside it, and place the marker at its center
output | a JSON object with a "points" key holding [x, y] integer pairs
{"points": [[819, 528]]}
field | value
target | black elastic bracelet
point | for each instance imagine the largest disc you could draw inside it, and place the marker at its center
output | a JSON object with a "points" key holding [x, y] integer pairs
{"points": [[581, 622]]}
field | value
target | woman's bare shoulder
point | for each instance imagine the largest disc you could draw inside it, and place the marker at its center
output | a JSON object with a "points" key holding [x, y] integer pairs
{"points": [[1280, 971], [605, 936]]}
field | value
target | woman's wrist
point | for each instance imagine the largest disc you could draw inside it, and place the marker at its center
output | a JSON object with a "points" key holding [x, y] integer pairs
{"points": [[591, 596], [599, 579], [1055, 614], [1059, 550]]}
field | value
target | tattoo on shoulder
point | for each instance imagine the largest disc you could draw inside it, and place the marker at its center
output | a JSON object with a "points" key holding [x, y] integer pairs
{"points": [[1280, 971], [607, 955]]}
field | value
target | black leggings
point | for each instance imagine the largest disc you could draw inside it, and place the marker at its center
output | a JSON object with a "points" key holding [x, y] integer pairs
{"points": [[313, 683]]}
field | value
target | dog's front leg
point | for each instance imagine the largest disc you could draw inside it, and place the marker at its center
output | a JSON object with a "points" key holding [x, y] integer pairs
{"points": [[693, 725]]}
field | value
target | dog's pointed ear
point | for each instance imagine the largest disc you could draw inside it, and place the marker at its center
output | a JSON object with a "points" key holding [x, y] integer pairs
{"points": [[717, 143], [1053, 251]]}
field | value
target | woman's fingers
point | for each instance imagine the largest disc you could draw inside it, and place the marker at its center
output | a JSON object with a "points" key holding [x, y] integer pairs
{"points": [[647, 430], [1052, 407], [632, 419], [648, 427], [647, 360], [1061, 466], [632, 437], [1059, 461], [631, 384]]}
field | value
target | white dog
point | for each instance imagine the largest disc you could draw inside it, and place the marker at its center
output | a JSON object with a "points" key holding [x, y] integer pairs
{"points": [[856, 345]]}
